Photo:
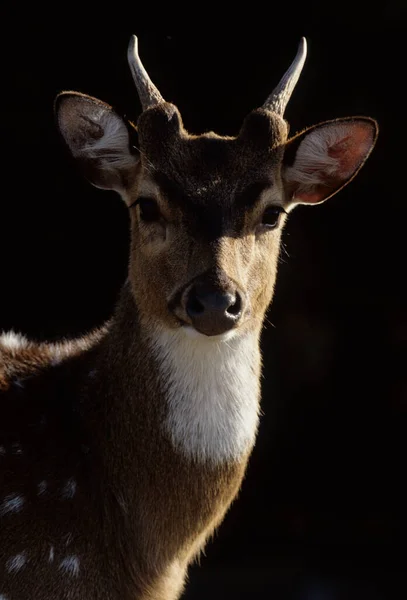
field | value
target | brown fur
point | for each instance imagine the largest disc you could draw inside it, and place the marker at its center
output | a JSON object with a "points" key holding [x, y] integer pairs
{"points": [[129, 537], [92, 411]]}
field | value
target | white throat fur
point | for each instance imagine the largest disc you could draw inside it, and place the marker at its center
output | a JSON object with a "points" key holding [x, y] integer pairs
{"points": [[212, 390]]}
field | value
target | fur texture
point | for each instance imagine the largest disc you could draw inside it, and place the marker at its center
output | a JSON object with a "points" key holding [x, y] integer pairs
{"points": [[207, 420]]}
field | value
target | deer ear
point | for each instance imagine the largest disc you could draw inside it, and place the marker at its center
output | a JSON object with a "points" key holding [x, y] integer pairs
{"points": [[98, 139], [322, 159]]}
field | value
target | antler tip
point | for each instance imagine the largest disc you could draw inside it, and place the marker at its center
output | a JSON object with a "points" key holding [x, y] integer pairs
{"points": [[133, 46], [302, 48]]}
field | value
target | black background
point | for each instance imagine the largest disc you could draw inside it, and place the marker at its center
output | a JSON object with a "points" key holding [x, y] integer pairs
{"points": [[321, 515]]}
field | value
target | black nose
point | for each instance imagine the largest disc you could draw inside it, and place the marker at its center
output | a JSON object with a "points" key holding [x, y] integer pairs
{"points": [[213, 311]]}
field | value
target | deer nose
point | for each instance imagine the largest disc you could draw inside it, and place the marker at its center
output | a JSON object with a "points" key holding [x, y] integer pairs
{"points": [[213, 311]]}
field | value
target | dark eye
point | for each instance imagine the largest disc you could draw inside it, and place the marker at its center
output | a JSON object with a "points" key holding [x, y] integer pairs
{"points": [[271, 216], [149, 211]]}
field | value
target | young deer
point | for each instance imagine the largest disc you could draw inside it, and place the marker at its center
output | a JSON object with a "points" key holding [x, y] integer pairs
{"points": [[120, 452]]}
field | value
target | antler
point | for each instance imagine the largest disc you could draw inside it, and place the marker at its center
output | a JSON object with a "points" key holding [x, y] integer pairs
{"points": [[148, 93], [279, 97]]}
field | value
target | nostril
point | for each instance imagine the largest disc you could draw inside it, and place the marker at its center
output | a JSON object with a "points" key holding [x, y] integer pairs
{"points": [[236, 308], [194, 306], [210, 309], [209, 303]]}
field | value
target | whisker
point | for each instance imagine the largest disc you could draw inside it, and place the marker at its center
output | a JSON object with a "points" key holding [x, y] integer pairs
{"points": [[148, 161]]}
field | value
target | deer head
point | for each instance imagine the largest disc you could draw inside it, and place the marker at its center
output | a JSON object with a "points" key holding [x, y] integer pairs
{"points": [[207, 211]]}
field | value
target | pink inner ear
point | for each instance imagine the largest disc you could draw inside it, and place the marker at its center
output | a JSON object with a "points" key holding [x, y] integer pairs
{"points": [[327, 158], [351, 150], [311, 197]]}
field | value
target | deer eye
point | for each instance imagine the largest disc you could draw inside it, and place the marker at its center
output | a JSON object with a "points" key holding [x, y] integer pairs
{"points": [[271, 216], [149, 211]]}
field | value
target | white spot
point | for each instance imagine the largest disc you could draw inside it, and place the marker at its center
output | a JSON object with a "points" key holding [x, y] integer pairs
{"points": [[212, 389], [42, 487], [92, 373], [3, 597], [70, 565], [16, 448], [2, 451], [11, 503], [51, 554], [201, 190], [13, 341], [15, 563], [69, 489]]}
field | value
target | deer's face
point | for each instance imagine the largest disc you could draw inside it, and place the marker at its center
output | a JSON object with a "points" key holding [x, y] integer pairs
{"points": [[206, 218], [207, 211]]}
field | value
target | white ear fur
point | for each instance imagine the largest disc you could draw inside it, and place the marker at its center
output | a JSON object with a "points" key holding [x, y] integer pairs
{"points": [[97, 138], [112, 149], [328, 156]]}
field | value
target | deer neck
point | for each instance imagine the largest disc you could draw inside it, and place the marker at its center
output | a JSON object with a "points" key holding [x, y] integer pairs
{"points": [[204, 392], [211, 392]]}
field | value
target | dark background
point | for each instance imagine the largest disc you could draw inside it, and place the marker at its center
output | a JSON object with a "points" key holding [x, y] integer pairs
{"points": [[321, 515]]}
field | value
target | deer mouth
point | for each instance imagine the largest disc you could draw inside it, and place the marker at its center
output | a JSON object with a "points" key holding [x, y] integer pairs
{"points": [[192, 333]]}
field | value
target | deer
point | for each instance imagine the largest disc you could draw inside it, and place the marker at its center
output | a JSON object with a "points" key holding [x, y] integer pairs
{"points": [[122, 450]]}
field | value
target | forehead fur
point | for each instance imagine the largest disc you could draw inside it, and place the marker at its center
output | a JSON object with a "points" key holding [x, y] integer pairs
{"points": [[199, 165]]}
